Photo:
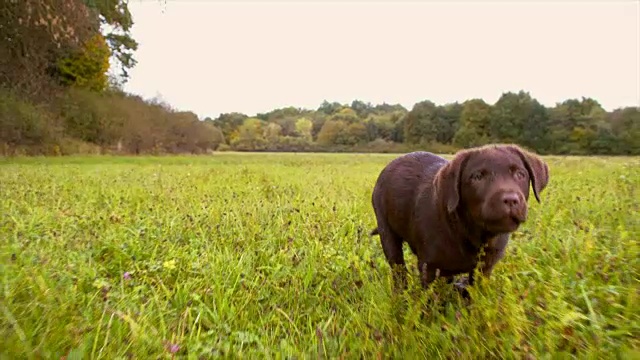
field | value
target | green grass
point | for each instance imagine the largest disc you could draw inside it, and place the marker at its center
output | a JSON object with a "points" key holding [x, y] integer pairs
{"points": [[268, 256]]}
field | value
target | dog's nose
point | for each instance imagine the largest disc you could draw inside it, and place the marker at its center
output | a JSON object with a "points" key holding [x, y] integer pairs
{"points": [[510, 199]]}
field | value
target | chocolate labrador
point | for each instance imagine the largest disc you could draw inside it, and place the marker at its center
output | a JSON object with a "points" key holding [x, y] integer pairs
{"points": [[448, 211]]}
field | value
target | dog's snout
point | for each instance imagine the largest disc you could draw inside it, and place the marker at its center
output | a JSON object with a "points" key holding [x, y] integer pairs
{"points": [[510, 199]]}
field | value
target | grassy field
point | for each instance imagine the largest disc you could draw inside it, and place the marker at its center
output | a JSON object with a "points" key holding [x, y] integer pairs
{"points": [[268, 256]]}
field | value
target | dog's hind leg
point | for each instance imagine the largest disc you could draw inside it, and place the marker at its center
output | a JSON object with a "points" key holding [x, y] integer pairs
{"points": [[392, 247]]}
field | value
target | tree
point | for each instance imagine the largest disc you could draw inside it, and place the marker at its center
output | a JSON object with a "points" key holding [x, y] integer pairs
{"points": [[329, 108], [182, 132], [40, 39], [398, 129], [35, 34], [346, 115], [272, 132], [287, 125], [86, 67], [251, 129], [251, 135], [382, 125], [361, 108], [625, 126], [474, 124], [304, 127], [116, 14], [330, 132], [229, 124], [385, 108], [420, 123], [517, 117], [447, 122], [281, 113], [576, 125], [215, 136], [318, 119], [355, 133]]}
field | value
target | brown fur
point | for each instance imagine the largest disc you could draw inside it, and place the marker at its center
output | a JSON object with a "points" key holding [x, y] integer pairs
{"points": [[447, 215]]}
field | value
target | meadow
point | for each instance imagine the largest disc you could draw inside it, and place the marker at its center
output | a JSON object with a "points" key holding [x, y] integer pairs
{"points": [[268, 256]]}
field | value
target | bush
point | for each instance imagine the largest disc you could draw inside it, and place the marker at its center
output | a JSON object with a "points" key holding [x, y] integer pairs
{"points": [[68, 146], [25, 128], [224, 147], [91, 117]]}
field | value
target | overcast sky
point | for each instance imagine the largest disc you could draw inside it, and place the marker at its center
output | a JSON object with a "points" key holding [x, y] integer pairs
{"points": [[212, 57]]}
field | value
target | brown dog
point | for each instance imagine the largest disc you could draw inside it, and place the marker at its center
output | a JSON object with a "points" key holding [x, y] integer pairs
{"points": [[449, 211]]}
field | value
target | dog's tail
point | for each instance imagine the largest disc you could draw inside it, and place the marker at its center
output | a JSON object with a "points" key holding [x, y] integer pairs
{"points": [[374, 232]]}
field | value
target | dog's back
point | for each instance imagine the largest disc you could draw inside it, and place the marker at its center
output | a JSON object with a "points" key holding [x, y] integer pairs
{"points": [[398, 186]]}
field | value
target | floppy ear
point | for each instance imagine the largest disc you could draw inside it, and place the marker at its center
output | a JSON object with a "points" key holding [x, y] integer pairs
{"points": [[447, 181], [537, 168]]}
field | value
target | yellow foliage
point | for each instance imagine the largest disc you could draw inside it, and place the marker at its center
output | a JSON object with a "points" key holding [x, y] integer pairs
{"points": [[87, 68]]}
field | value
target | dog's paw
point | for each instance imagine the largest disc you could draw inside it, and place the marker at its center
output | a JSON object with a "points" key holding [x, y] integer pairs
{"points": [[461, 287]]}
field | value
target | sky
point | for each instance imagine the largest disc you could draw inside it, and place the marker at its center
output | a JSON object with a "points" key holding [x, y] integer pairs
{"points": [[213, 57]]}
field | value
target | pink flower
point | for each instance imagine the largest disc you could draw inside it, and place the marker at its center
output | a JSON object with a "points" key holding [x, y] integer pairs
{"points": [[126, 276]]}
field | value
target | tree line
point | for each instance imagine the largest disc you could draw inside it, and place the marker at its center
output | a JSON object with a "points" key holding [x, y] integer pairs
{"points": [[573, 127], [57, 97]]}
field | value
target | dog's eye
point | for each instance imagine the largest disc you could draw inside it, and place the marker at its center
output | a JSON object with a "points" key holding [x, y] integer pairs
{"points": [[478, 175], [519, 174]]}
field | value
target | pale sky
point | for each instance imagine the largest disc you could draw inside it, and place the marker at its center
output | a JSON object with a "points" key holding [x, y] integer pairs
{"points": [[213, 57]]}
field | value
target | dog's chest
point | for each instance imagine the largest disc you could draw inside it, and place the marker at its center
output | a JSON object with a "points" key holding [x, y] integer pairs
{"points": [[454, 257]]}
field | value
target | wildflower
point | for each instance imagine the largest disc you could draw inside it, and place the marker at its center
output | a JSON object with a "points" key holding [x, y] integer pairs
{"points": [[169, 265]]}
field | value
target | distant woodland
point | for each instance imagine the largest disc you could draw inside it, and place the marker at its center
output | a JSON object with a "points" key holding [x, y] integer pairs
{"points": [[58, 98]]}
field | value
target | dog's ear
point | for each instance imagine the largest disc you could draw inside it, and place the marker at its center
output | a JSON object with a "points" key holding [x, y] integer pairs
{"points": [[537, 168], [447, 181]]}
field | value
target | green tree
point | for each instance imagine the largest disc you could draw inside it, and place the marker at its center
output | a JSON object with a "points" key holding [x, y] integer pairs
{"points": [[379, 126], [384, 125], [474, 124], [361, 108], [576, 125], [346, 115], [420, 124], [355, 133], [328, 108], [229, 124], [447, 122], [519, 118], [281, 113], [116, 15], [625, 128], [399, 129], [385, 108]]}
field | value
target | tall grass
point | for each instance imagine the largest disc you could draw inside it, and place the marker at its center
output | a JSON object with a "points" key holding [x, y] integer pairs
{"points": [[268, 256]]}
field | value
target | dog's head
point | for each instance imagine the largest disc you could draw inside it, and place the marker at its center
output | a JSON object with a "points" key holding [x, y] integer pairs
{"points": [[490, 185]]}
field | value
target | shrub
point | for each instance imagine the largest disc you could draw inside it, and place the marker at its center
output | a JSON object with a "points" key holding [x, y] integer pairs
{"points": [[25, 128]]}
